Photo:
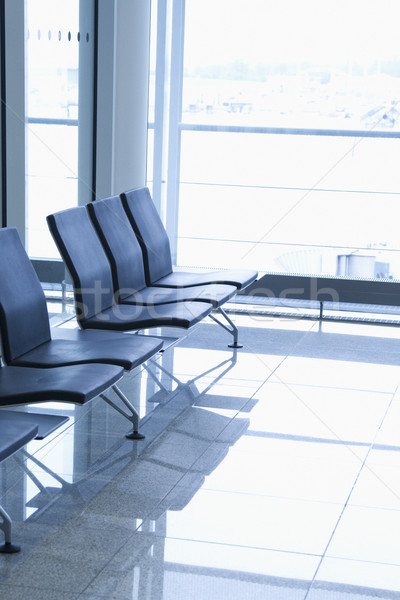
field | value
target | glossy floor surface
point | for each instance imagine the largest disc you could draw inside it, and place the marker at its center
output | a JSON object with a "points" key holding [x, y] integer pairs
{"points": [[270, 472]]}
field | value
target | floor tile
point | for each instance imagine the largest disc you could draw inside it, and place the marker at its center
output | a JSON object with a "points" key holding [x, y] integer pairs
{"points": [[43, 571], [192, 569], [198, 422], [359, 329], [172, 584], [352, 593], [367, 534], [312, 471], [320, 413], [77, 453], [249, 366], [378, 484], [240, 484], [338, 374], [15, 592], [339, 345], [31, 536], [268, 323], [256, 333], [229, 396], [224, 558], [369, 579], [254, 521], [389, 434]]}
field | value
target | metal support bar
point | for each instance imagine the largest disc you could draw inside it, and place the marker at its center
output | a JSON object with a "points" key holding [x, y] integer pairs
{"points": [[233, 330], [353, 133], [35, 480], [321, 310], [174, 118], [191, 383], [230, 362], [133, 417], [165, 371], [5, 526], [60, 480]]}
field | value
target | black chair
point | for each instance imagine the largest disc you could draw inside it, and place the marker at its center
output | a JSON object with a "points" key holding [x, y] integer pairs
{"points": [[25, 385], [76, 384], [28, 341], [126, 259], [90, 270], [154, 242], [14, 434]]}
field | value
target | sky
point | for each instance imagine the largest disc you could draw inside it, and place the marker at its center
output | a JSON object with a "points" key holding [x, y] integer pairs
{"points": [[254, 31]]}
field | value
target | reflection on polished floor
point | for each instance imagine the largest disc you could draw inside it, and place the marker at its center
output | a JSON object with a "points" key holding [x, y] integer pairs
{"points": [[268, 472]]}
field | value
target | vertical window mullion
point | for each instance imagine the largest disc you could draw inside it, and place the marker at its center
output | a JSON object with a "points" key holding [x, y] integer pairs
{"points": [[13, 113], [3, 188], [175, 112]]}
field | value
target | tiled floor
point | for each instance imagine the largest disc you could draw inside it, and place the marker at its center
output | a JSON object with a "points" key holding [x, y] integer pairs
{"points": [[273, 472]]}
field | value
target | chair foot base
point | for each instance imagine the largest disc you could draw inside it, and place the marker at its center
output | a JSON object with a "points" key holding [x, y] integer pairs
{"points": [[135, 435], [235, 345], [9, 548]]}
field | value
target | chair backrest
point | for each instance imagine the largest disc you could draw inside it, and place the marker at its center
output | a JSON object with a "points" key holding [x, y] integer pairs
{"points": [[150, 232], [24, 320], [120, 244], [85, 259]]}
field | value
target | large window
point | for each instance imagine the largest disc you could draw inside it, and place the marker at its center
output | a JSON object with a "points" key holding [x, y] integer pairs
{"points": [[59, 69], [283, 130]]}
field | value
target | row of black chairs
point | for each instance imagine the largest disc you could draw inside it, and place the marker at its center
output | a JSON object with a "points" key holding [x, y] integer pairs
{"points": [[52, 364], [118, 255]]}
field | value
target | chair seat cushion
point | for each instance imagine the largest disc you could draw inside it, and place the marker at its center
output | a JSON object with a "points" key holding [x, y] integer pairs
{"points": [[216, 295], [14, 433], [77, 384], [124, 317], [73, 347], [239, 278]]}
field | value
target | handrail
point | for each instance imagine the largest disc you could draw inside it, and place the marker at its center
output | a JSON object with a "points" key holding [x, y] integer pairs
{"points": [[51, 121], [372, 133]]}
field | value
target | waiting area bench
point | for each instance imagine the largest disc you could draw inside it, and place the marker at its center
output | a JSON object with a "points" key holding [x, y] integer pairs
{"points": [[117, 253], [28, 341], [114, 293], [155, 245], [70, 366]]}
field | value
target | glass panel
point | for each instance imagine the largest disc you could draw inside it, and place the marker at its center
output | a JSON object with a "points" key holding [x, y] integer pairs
{"points": [[331, 64], [293, 246], [308, 192], [291, 161], [60, 107], [250, 215]]}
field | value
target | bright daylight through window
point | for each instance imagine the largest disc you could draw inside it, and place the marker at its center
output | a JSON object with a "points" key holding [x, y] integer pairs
{"points": [[59, 84], [284, 126]]}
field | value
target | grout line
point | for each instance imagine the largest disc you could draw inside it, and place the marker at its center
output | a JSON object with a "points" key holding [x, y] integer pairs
{"points": [[395, 393]]}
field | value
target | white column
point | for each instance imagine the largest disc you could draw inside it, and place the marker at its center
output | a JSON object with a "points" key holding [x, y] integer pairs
{"points": [[15, 114], [85, 113], [123, 70]]}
